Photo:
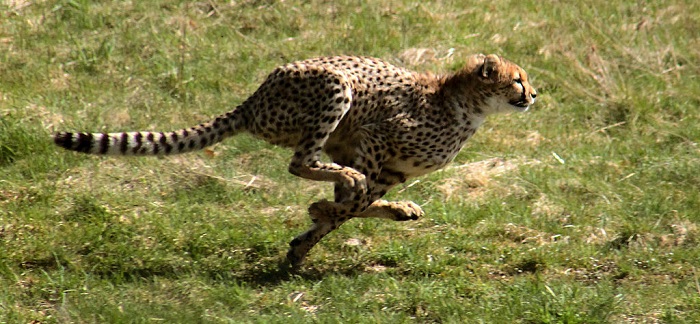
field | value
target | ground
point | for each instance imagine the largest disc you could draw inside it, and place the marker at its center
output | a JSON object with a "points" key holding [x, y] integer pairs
{"points": [[582, 210]]}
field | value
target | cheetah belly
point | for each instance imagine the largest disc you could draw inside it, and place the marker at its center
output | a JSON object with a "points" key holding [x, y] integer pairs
{"points": [[418, 166]]}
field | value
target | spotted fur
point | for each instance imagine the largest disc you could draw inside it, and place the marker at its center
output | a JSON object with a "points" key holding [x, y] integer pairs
{"points": [[379, 123]]}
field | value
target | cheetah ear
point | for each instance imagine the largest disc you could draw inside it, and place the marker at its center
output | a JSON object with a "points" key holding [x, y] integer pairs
{"points": [[489, 70]]}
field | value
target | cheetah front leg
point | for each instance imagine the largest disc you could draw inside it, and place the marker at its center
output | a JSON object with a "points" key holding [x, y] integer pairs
{"points": [[393, 210]]}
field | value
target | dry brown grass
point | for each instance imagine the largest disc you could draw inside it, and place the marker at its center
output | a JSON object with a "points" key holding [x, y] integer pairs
{"points": [[473, 180]]}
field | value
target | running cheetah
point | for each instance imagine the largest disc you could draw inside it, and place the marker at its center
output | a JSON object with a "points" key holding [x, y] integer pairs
{"points": [[380, 124]]}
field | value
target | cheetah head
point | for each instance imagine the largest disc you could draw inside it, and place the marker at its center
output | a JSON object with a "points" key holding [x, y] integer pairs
{"points": [[505, 84]]}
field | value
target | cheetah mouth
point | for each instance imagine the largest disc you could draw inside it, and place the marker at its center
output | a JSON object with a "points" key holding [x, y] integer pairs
{"points": [[520, 103]]}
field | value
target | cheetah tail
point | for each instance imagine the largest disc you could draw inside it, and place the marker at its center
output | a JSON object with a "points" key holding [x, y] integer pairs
{"points": [[153, 143]]}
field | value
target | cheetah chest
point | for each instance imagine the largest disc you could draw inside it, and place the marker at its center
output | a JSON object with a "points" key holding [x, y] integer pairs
{"points": [[416, 158]]}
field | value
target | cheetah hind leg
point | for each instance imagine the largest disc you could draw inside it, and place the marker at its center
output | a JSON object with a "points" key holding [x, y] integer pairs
{"points": [[318, 127], [351, 202], [392, 210]]}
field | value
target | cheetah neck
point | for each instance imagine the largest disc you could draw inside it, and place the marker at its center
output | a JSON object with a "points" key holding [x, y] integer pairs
{"points": [[460, 104]]}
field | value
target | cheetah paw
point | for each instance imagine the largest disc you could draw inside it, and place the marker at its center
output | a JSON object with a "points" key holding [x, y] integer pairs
{"points": [[320, 210], [405, 210], [294, 257], [393, 210], [355, 181]]}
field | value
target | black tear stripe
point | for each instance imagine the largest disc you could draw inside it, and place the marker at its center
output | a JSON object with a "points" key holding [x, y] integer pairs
{"points": [[124, 144], [104, 144], [84, 142]]}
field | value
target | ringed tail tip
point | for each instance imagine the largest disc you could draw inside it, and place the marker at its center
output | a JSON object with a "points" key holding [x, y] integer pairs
{"points": [[63, 139], [73, 141]]}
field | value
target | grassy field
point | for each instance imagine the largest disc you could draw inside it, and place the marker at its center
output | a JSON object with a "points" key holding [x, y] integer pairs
{"points": [[583, 210]]}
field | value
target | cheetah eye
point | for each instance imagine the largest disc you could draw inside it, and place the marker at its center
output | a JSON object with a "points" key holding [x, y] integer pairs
{"points": [[518, 80]]}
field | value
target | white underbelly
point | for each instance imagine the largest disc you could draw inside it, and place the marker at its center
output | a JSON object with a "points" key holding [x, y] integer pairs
{"points": [[414, 167]]}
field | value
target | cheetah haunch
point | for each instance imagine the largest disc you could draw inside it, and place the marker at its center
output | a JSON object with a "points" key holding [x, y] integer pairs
{"points": [[380, 124]]}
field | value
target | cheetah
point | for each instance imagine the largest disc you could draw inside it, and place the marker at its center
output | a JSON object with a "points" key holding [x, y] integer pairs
{"points": [[380, 125]]}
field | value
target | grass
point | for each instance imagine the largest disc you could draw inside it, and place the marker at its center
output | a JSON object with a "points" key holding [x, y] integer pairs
{"points": [[583, 210]]}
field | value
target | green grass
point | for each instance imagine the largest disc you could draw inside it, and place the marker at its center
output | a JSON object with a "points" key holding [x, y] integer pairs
{"points": [[590, 214]]}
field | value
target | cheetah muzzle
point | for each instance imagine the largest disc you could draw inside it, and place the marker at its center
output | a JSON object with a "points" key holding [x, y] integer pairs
{"points": [[380, 125]]}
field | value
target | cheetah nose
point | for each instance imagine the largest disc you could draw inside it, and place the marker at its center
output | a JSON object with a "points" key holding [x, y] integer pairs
{"points": [[533, 95]]}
